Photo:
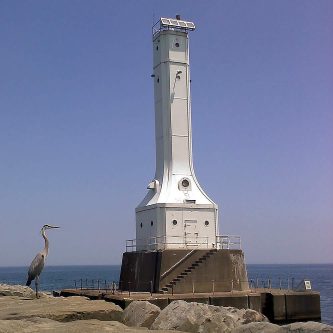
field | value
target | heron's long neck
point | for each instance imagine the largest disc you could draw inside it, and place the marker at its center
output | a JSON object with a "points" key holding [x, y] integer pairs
{"points": [[46, 247]]}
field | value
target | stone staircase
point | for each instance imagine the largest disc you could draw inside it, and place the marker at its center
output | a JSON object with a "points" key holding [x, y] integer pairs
{"points": [[196, 263]]}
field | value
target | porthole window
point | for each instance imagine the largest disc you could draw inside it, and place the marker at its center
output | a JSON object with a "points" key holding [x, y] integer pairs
{"points": [[151, 223], [141, 225], [174, 222], [206, 223], [177, 44], [185, 183]]}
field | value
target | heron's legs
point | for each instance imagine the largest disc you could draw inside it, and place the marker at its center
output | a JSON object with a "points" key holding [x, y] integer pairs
{"points": [[36, 285]]}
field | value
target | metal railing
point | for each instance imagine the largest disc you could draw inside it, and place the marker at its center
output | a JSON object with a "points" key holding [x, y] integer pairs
{"points": [[164, 242], [96, 284], [211, 287], [226, 242], [177, 264]]}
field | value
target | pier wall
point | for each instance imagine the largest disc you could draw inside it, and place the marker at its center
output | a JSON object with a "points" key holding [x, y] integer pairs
{"points": [[184, 271]]}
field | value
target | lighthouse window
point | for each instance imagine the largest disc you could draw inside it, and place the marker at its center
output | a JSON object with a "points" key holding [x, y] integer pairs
{"points": [[151, 223], [158, 80], [174, 222], [157, 48], [206, 223], [177, 44], [141, 225]]}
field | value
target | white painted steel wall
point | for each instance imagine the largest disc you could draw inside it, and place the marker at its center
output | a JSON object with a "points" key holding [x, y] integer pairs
{"points": [[176, 212]]}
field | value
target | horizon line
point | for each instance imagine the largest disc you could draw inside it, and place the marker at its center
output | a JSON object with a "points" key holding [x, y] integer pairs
{"points": [[96, 265]]}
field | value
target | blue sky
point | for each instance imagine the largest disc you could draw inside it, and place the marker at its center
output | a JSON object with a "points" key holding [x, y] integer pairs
{"points": [[77, 124]]}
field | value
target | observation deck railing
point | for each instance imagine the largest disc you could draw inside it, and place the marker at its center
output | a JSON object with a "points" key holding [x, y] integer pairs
{"points": [[227, 242]]}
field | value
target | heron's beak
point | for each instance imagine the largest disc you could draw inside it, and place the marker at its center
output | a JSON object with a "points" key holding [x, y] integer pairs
{"points": [[54, 226]]}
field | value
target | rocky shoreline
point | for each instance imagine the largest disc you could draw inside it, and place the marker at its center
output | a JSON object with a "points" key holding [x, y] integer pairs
{"points": [[20, 311]]}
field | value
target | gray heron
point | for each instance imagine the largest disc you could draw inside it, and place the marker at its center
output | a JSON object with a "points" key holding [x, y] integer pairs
{"points": [[37, 264]]}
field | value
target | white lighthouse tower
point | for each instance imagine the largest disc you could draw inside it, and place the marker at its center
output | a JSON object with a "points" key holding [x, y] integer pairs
{"points": [[177, 246], [176, 213]]}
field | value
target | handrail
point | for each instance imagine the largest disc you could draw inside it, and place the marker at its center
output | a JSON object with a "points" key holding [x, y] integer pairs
{"points": [[161, 242], [177, 264], [226, 242]]}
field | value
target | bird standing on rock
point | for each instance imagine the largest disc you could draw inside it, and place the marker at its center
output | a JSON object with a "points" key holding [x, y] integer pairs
{"points": [[37, 264]]}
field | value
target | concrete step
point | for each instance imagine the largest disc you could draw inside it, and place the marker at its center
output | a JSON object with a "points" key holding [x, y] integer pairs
{"points": [[189, 269]]}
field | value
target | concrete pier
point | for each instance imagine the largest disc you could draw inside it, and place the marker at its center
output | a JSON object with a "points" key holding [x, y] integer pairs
{"points": [[280, 306], [184, 271]]}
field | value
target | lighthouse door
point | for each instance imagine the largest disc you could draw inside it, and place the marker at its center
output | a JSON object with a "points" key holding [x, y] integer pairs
{"points": [[191, 233]]}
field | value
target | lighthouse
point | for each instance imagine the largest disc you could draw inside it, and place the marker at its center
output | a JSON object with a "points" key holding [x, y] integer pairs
{"points": [[177, 248], [176, 213]]}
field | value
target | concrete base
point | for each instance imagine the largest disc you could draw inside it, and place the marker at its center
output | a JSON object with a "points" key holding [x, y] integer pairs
{"points": [[280, 306], [184, 271], [286, 307]]}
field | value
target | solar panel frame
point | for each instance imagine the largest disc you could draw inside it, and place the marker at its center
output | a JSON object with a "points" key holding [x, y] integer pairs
{"points": [[180, 24]]}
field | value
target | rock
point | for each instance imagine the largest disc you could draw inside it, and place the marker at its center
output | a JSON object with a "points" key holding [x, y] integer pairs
{"points": [[58, 308], [261, 327], [43, 325], [18, 290], [306, 327], [140, 314], [250, 316], [199, 317]]}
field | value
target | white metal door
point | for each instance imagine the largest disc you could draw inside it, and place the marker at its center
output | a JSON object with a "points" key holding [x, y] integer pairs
{"points": [[191, 233]]}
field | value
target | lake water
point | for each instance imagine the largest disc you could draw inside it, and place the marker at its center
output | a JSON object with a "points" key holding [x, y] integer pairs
{"points": [[62, 277]]}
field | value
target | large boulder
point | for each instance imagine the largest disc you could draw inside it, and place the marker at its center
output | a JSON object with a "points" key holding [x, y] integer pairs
{"points": [[140, 314], [263, 327], [20, 291], [58, 308], [43, 325], [306, 327], [199, 317]]}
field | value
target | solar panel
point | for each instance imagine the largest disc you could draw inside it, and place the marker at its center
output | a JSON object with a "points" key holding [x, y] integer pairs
{"points": [[190, 25], [165, 22]]}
